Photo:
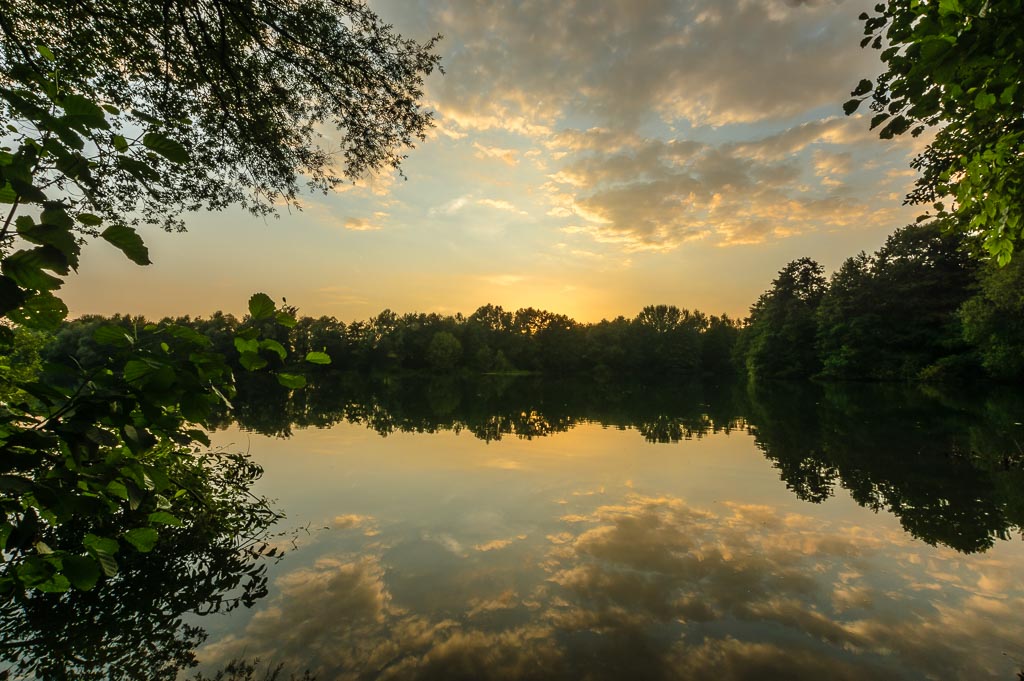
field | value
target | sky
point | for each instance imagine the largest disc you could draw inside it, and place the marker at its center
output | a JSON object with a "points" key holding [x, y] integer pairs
{"points": [[589, 158]]}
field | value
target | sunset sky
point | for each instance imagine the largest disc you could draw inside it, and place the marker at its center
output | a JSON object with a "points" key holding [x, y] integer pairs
{"points": [[588, 158]]}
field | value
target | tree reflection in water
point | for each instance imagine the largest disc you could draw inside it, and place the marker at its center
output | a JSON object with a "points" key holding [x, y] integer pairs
{"points": [[947, 464], [136, 625]]}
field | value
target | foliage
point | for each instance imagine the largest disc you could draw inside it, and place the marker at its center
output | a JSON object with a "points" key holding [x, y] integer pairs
{"points": [[244, 670], [993, 320], [894, 314], [957, 65], [20, 362], [213, 563], [111, 448], [118, 113], [661, 340], [779, 339], [194, 105], [444, 351]]}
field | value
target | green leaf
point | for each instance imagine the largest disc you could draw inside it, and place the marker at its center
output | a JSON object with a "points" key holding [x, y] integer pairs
{"points": [[89, 219], [56, 584], [851, 106], [50, 235], [82, 571], [164, 518], [199, 436], [129, 242], [7, 193], [274, 346], [46, 52], [107, 563], [56, 214], [195, 407], [984, 101], [142, 538], [246, 345], [100, 544], [120, 143], [292, 381], [139, 170], [26, 268], [118, 489], [42, 311], [286, 320], [138, 371], [109, 334], [166, 147], [74, 166], [251, 361], [261, 306], [318, 358], [83, 113]]}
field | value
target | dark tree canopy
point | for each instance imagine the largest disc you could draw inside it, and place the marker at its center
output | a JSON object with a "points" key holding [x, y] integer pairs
{"points": [[779, 339], [957, 64], [252, 90]]}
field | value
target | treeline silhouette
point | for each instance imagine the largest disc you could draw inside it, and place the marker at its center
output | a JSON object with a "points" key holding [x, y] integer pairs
{"points": [[947, 465], [660, 340], [919, 308]]}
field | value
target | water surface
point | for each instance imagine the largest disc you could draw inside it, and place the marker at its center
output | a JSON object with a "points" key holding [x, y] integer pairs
{"points": [[550, 531]]}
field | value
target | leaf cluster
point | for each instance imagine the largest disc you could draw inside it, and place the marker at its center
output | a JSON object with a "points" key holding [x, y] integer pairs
{"points": [[248, 92], [957, 65]]}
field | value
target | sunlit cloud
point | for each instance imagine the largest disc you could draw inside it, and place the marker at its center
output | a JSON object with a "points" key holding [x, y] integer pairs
{"points": [[509, 156], [499, 204], [451, 207], [365, 224]]}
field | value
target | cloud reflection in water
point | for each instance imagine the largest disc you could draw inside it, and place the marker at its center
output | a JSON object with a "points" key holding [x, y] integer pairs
{"points": [[648, 587]]}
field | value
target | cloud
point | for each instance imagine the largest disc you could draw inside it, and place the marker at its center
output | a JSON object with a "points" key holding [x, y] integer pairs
{"points": [[654, 195], [364, 224], [525, 68], [499, 204], [451, 207], [508, 156]]}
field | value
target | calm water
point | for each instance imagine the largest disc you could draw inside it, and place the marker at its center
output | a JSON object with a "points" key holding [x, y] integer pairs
{"points": [[530, 530]]}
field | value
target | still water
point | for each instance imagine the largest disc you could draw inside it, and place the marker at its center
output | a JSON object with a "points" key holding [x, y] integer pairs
{"points": [[844, 533], [441, 529]]}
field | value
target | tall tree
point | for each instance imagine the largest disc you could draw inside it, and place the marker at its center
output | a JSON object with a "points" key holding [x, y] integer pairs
{"points": [[781, 328], [894, 315]]}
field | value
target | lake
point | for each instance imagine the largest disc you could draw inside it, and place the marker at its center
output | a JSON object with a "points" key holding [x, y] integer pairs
{"points": [[530, 529]]}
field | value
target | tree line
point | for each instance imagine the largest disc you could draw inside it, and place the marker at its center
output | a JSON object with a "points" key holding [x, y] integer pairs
{"points": [[919, 308], [661, 339]]}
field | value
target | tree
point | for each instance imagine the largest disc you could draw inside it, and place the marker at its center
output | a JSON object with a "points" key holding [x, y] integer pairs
{"points": [[778, 341], [444, 351], [958, 65], [894, 315], [241, 89], [993, 320], [119, 113]]}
